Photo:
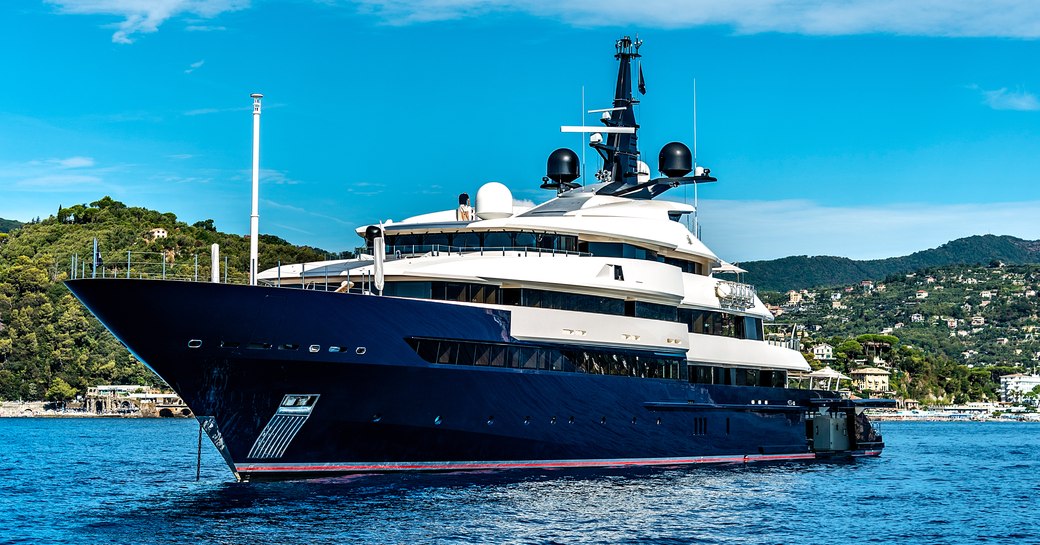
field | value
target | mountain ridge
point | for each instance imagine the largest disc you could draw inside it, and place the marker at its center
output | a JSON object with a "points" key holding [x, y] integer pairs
{"points": [[804, 272]]}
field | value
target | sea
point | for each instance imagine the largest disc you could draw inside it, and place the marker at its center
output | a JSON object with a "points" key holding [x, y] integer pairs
{"points": [[114, 481]]}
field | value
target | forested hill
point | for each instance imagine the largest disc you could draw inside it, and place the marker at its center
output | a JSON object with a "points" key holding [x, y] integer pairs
{"points": [[803, 272], [6, 226], [50, 346]]}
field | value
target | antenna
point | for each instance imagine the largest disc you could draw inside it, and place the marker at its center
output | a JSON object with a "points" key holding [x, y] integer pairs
{"points": [[583, 146], [696, 203], [254, 219]]}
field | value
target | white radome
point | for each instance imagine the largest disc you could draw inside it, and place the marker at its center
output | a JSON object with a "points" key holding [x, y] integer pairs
{"points": [[494, 201]]}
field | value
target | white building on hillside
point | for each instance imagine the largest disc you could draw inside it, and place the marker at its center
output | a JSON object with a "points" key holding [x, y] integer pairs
{"points": [[1013, 388], [823, 352]]}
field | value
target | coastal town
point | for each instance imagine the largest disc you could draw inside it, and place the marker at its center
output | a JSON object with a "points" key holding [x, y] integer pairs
{"points": [[874, 338]]}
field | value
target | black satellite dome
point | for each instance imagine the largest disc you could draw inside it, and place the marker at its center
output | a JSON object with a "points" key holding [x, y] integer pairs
{"points": [[562, 166], [675, 160], [372, 232]]}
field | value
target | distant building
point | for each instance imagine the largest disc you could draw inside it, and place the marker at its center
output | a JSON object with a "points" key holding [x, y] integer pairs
{"points": [[823, 352], [978, 320], [157, 233], [871, 379], [793, 297], [1013, 388], [922, 294], [917, 318], [951, 323], [131, 399]]}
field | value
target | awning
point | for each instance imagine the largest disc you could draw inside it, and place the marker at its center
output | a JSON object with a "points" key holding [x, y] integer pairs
{"points": [[728, 268]]}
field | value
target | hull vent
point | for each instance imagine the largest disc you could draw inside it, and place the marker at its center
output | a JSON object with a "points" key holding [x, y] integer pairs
{"points": [[283, 427]]}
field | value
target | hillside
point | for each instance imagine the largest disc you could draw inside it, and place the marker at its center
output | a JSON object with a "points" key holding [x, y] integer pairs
{"points": [[802, 272], [956, 328], [50, 346], [6, 226]]}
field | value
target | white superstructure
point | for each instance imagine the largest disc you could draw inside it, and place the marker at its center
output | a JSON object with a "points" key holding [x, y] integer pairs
{"points": [[581, 268]]}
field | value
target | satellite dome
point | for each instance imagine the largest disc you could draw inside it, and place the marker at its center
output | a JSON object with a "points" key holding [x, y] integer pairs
{"points": [[494, 201], [562, 166], [675, 160]]}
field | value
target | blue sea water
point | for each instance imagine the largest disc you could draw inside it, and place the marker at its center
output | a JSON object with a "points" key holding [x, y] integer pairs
{"points": [[133, 481]]}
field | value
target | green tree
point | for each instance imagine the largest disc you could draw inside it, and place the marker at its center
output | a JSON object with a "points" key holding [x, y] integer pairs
{"points": [[60, 391]]}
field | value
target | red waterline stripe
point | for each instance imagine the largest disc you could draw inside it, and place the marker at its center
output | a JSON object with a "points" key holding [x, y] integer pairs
{"points": [[523, 465]]}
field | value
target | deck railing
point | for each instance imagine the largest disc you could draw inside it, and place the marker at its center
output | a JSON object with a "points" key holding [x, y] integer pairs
{"points": [[437, 249], [147, 265]]}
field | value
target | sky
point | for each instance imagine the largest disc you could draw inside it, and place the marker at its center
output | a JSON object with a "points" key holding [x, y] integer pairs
{"points": [[862, 128]]}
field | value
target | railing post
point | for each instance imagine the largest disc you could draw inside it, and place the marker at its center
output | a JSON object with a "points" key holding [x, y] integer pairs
{"points": [[128, 263], [280, 273], [164, 265], [225, 269], [196, 267], [214, 263]]}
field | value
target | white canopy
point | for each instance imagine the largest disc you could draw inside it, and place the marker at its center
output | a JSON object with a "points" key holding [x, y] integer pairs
{"points": [[728, 268], [828, 374]]}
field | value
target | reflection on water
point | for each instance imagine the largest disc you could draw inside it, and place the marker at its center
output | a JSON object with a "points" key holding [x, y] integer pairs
{"points": [[133, 481]]}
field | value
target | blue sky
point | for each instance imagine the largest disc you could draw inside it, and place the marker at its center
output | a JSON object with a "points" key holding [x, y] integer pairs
{"points": [[862, 128]]}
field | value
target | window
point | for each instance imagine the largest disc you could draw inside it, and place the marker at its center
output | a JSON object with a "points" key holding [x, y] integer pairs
{"points": [[526, 240], [766, 378], [720, 323], [562, 359], [466, 240], [498, 240]]}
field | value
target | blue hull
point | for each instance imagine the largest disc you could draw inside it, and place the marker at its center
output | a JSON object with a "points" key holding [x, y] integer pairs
{"points": [[242, 357]]}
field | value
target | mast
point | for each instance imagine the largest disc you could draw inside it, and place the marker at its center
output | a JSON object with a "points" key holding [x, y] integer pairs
{"points": [[621, 152], [254, 218]]}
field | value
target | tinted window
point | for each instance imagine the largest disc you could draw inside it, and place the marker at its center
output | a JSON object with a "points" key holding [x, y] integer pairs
{"points": [[526, 240], [466, 240], [496, 240]]}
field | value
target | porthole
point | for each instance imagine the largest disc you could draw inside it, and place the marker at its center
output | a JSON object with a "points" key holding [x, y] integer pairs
{"points": [[633, 420], [360, 350], [288, 346], [490, 420], [377, 417], [552, 420], [194, 343], [229, 344], [335, 349], [658, 421], [436, 421], [570, 420], [314, 348], [527, 420], [603, 421]]}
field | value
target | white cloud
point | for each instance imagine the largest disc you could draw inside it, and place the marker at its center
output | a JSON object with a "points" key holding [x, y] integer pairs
{"points": [[1002, 99], [73, 162], [752, 230], [297, 210], [194, 66], [145, 16], [276, 177], [960, 18]]}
